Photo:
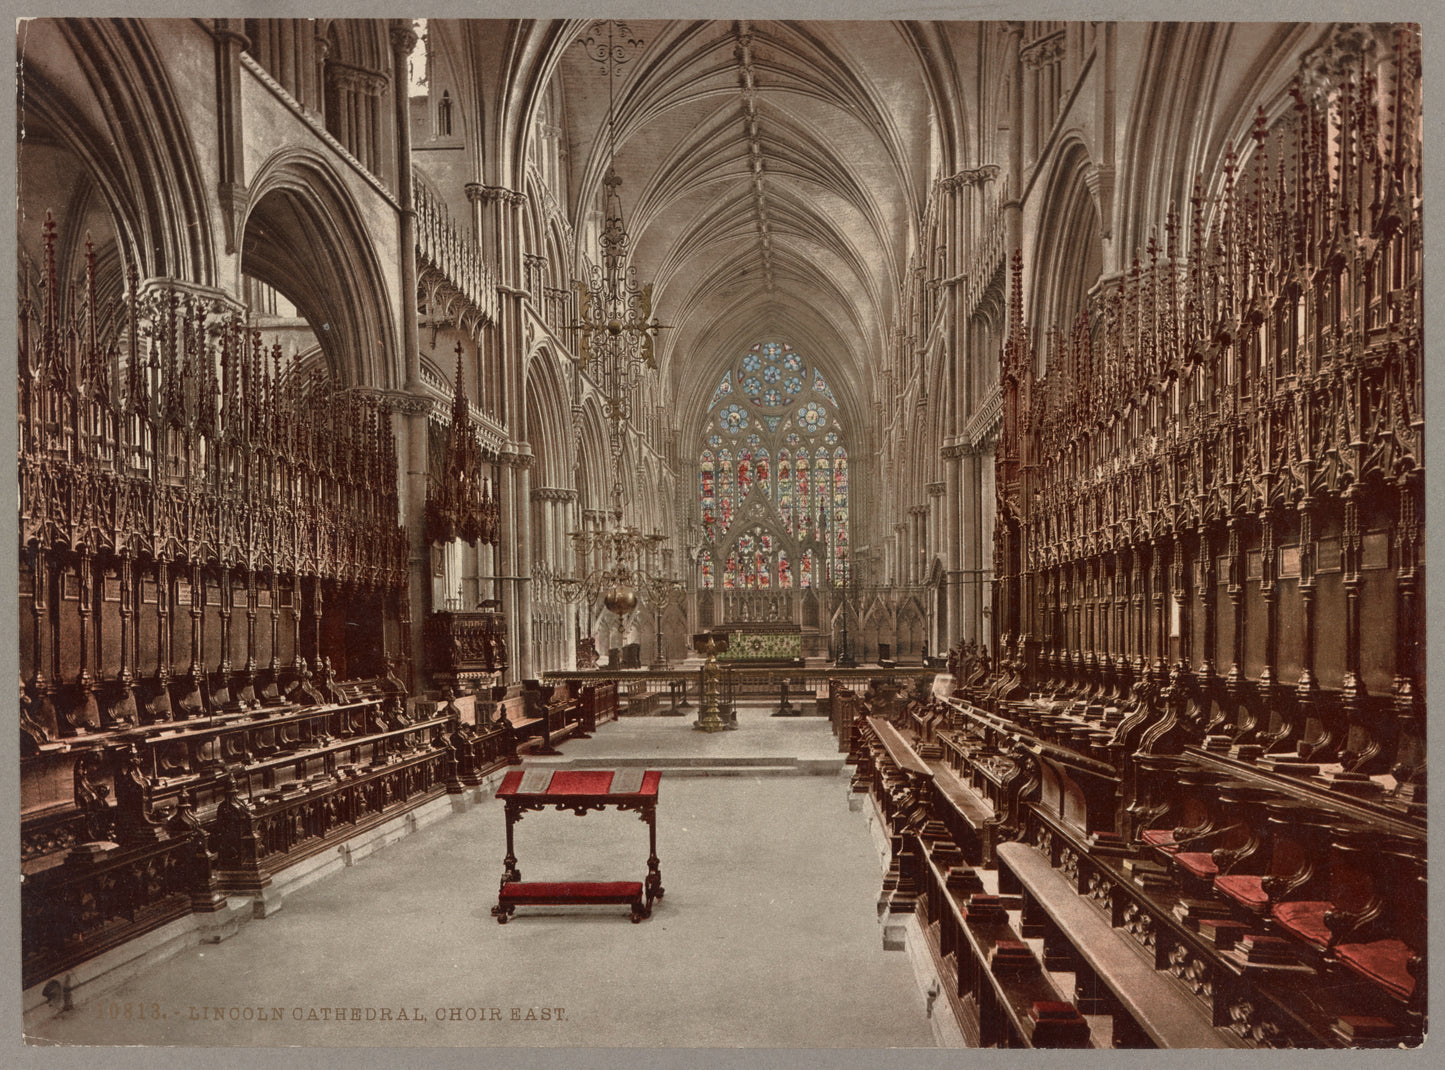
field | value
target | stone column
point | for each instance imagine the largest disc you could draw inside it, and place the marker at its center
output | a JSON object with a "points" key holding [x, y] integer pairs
{"points": [[953, 515], [507, 560], [936, 536], [522, 585]]}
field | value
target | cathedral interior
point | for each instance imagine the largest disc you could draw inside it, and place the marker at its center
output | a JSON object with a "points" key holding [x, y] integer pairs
{"points": [[412, 410]]}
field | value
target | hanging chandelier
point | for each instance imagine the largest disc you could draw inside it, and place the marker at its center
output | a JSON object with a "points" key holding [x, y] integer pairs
{"points": [[615, 323], [615, 330], [617, 565]]}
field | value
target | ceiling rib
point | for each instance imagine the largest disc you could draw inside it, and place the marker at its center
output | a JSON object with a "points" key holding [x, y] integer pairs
{"points": [[747, 78]]}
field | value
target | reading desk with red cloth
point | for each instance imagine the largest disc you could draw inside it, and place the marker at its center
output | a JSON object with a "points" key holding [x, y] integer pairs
{"points": [[580, 791]]}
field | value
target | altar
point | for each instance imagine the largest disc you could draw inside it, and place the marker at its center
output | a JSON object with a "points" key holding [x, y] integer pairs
{"points": [[761, 643]]}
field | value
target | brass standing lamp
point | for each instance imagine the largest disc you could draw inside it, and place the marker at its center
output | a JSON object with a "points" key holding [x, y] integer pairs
{"points": [[709, 715]]}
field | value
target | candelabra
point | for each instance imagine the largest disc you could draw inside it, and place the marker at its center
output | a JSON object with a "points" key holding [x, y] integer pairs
{"points": [[625, 570], [659, 592]]}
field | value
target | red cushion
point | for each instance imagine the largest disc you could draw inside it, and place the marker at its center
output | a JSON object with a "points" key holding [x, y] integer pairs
{"points": [[572, 889], [1052, 1008], [1383, 962], [1246, 890], [1161, 838], [1304, 918], [1200, 863]]}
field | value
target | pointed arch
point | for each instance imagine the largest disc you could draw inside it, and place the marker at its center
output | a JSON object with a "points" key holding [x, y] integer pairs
{"points": [[99, 88], [304, 236]]}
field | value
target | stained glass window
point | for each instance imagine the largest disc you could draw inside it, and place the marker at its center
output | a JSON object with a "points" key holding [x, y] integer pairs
{"points": [[792, 463], [724, 388], [724, 476], [747, 564], [707, 571], [821, 387], [812, 417], [733, 418], [708, 492], [804, 527]]}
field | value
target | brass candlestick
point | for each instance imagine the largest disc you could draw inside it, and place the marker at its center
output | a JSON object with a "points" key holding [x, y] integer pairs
{"points": [[709, 718]]}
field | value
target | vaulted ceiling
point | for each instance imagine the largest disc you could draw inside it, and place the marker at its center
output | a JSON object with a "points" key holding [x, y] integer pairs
{"points": [[773, 178]]}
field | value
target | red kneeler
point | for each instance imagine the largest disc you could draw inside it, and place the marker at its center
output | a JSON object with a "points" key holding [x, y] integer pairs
{"points": [[570, 893]]}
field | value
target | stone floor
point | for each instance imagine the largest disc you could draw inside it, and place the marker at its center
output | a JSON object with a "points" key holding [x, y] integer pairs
{"points": [[767, 936]]}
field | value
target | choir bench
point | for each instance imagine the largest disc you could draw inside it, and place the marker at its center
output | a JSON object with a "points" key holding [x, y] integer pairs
{"points": [[571, 893], [548, 714]]}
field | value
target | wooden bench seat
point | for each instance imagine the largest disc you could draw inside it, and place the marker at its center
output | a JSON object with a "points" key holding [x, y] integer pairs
{"points": [[570, 893], [1161, 1009]]}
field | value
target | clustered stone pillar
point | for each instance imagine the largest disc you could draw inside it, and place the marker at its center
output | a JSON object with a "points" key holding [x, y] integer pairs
{"points": [[522, 584], [953, 513]]}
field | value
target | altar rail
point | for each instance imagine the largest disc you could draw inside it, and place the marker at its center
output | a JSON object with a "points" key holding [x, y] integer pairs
{"points": [[667, 685]]}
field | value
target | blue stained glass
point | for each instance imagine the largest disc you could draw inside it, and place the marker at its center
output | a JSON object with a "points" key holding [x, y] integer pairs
{"points": [[772, 422], [772, 398], [793, 362], [752, 362], [752, 385], [733, 419], [724, 388], [714, 440], [793, 385], [831, 438], [772, 349], [792, 439], [772, 373], [753, 441], [821, 387], [812, 417]]}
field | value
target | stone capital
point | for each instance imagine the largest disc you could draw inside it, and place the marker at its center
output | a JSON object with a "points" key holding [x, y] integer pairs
{"points": [[480, 192], [403, 37], [956, 450]]}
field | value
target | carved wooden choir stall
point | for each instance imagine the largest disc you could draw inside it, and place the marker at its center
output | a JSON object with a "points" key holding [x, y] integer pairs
{"points": [[1185, 805], [214, 619]]}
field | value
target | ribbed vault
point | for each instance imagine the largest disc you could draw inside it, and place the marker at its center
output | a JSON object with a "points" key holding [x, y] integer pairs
{"points": [[773, 173]]}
